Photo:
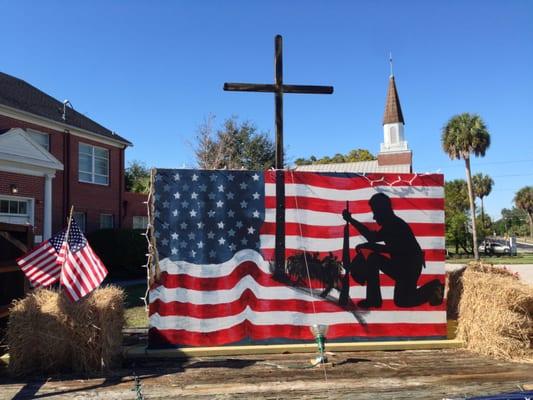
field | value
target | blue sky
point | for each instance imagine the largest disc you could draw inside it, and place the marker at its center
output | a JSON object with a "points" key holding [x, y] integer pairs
{"points": [[153, 71]]}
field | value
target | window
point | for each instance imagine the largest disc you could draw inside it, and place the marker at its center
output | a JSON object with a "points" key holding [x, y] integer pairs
{"points": [[106, 221], [14, 207], [93, 164], [393, 135], [140, 221], [16, 210], [41, 138], [81, 220]]}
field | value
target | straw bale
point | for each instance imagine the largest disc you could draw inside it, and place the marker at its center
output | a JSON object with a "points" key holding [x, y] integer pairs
{"points": [[495, 313], [48, 333], [454, 289]]}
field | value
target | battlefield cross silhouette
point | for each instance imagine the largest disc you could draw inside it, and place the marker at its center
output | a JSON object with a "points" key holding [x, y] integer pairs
{"points": [[278, 88]]}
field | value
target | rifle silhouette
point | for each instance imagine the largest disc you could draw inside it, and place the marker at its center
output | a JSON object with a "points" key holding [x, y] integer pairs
{"points": [[345, 290]]}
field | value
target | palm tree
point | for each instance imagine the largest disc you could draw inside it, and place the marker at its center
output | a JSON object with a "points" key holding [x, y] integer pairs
{"points": [[524, 199], [463, 135], [482, 188]]}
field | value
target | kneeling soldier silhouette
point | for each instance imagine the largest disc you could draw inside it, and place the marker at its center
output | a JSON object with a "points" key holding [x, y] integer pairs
{"points": [[400, 257]]}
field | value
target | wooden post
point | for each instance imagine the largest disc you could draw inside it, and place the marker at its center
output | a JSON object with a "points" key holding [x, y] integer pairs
{"points": [[65, 240], [278, 62], [278, 88]]}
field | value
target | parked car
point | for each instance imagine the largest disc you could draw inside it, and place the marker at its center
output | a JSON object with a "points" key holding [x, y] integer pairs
{"points": [[491, 248]]}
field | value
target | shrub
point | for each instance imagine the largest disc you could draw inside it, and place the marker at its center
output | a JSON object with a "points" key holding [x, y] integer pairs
{"points": [[123, 251]]}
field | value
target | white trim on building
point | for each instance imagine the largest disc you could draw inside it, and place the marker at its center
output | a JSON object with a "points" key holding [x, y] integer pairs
{"points": [[58, 126], [20, 154]]}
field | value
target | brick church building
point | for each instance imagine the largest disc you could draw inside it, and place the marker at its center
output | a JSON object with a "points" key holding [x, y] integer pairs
{"points": [[52, 157]]}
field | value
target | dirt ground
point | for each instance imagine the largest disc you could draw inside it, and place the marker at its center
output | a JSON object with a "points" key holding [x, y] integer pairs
{"points": [[417, 374]]}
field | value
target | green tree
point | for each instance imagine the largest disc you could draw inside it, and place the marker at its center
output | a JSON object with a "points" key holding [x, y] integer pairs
{"points": [[137, 177], [482, 188], [456, 206], [513, 221], [352, 156], [523, 199], [233, 146], [463, 135]]}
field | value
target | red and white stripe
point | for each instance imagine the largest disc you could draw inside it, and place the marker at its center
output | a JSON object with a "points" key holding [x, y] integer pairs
{"points": [[236, 301], [82, 271], [40, 265], [314, 204]]}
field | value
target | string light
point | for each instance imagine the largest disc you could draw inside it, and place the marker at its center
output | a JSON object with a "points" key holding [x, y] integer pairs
{"points": [[398, 180]]}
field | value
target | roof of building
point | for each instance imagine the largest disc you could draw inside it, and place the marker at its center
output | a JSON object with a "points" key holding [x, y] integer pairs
{"points": [[393, 110], [356, 167], [19, 94]]}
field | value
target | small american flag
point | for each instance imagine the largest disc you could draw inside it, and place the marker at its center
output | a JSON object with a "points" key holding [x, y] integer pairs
{"points": [[82, 270], [79, 268], [41, 265]]}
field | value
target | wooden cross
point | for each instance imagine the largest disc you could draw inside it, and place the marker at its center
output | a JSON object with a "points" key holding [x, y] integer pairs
{"points": [[278, 88]]}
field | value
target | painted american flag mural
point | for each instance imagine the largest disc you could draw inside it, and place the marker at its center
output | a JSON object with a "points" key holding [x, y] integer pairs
{"points": [[215, 235]]}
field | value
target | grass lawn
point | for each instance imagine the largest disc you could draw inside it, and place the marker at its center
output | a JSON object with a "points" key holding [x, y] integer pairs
{"points": [[523, 258], [135, 313]]}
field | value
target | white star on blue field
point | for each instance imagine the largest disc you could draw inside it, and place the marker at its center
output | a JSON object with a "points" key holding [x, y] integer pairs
{"points": [[205, 217]]}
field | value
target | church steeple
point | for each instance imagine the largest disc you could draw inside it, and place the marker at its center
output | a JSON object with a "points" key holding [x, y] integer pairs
{"points": [[393, 122], [393, 110]]}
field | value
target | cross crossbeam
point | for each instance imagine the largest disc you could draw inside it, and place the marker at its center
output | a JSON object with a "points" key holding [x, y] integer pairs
{"points": [[278, 88], [271, 88]]}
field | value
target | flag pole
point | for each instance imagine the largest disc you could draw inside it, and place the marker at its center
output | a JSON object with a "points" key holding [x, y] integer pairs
{"points": [[65, 240], [68, 223]]}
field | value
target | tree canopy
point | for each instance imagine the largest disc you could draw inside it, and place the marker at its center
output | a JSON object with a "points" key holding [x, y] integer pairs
{"points": [[235, 145], [482, 185], [352, 156], [512, 222], [524, 200], [463, 135], [456, 206], [482, 188], [137, 177]]}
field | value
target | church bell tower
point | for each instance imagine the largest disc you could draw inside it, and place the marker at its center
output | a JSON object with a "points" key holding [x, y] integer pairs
{"points": [[394, 149]]}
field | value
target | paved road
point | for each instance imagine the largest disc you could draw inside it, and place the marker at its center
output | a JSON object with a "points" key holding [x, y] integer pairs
{"points": [[523, 247], [525, 271]]}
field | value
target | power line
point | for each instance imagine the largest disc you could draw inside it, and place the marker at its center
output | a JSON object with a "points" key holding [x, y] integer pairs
{"points": [[503, 176], [505, 162], [489, 163]]}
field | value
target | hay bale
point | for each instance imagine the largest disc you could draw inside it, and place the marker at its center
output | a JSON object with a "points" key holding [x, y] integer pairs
{"points": [[495, 313], [454, 290], [47, 333]]}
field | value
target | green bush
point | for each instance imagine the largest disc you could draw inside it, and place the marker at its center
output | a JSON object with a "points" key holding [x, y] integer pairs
{"points": [[123, 251]]}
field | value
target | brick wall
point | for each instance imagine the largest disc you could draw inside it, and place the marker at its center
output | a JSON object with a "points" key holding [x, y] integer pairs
{"points": [[27, 186], [89, 198], [396, 158], [93, 199], [134, 205]]}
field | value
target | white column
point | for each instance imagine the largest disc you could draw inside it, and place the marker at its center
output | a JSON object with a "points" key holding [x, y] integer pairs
{"points": [[47, 223]]}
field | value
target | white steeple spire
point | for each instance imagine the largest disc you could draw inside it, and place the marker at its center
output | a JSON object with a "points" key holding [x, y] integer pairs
{"points": [[393, 123]]}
